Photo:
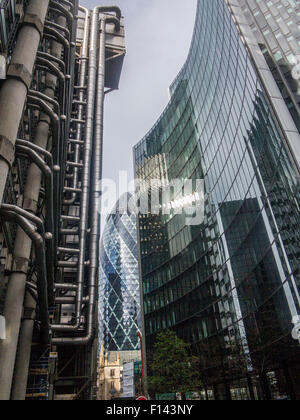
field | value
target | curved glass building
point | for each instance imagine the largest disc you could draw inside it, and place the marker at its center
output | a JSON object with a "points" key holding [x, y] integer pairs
{"points": [[228, 286], [119, 294]]}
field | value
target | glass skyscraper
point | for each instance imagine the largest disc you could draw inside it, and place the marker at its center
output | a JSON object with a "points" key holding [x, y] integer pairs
{"points": [[276, 27], [119, 306], [230, 285]]}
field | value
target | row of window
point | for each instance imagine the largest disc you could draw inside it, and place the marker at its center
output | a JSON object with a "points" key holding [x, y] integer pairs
{"points": [[224, 276]]}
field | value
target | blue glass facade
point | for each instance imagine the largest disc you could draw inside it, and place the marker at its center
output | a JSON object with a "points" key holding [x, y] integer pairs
{"points": [[230, 286], [119, 306]]}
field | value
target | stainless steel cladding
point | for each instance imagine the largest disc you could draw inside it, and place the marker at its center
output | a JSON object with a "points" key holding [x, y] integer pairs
{"points": [[51, 139]]}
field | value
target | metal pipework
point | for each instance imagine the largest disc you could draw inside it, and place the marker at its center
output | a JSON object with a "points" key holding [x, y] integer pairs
{"points": [[57, 31], [23, 243], [67, 264], [14, 90], [23, 363], [61, 10], [59, 28], [50, 32], [49, 197], [52, 58], [52, 201], [46, 98], [36, 103], [39, 243], [71, 251], [69, 300], [96, 187], [47, 171], [68, 4], [86, 171], [46, 65], [29, 216], [69, 189], [83, 73], [53, 31], [67, 286], [71, 71], [87, 159], [70, 218], [69, 232], [97, 175], [39, 150]]}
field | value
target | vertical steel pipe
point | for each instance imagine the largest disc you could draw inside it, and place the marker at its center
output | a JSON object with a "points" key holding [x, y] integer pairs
{"points": [[14, 90], [23, 358], [22, 255], [86, 175], [82, 78], [91, 185]]}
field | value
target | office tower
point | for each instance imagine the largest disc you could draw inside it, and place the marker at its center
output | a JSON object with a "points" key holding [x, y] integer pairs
{"points": [[275, 26], [227, 284], [51, 119], [119, 295], [119, 314]]}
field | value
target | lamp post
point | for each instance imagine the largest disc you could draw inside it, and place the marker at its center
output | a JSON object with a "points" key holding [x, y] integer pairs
{"points": [[142, 359]]}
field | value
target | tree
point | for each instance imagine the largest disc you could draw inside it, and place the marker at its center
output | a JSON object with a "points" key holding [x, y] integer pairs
{"points": [[173, 370]]}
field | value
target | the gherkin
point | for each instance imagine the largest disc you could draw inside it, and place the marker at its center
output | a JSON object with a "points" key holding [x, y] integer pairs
{"points": [[119, 305]]}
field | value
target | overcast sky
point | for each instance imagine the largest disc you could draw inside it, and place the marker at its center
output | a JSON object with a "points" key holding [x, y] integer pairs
{"points": [[158, 37]]}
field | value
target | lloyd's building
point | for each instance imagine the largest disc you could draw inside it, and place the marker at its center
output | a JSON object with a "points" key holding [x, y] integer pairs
{"points": [[230, 285], [58, 60]]}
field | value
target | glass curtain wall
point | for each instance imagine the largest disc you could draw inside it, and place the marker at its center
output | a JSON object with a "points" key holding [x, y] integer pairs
{"points": [[230, 285]]}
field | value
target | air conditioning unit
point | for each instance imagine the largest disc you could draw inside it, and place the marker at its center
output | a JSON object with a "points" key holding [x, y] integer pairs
{"points": [[2, 328]]}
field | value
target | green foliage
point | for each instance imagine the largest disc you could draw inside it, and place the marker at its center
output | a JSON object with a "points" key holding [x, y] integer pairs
{"points": [[173, 369]]}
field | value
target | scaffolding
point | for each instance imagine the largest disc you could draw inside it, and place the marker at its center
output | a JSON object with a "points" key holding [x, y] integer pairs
{"points": [[38, 379]]}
